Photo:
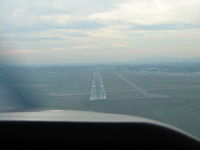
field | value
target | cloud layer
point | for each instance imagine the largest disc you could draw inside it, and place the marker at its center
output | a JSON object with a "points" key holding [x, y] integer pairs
{"points": [[92, 31]]}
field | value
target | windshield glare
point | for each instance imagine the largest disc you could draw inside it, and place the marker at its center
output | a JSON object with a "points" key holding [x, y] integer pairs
{"points": [[132, 57]]}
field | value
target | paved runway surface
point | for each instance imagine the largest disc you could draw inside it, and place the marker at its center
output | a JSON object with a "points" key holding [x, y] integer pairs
{"points": [[134, 85], [98, 91]]}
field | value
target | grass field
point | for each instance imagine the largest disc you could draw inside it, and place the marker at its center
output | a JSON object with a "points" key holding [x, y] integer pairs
{"points": [[167, 97]]}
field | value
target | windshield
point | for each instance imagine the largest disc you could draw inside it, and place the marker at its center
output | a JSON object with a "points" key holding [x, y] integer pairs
{"points": [[133, 57]]}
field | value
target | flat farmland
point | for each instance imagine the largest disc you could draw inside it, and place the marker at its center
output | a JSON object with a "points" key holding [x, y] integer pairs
{"points": [[168, 97]]}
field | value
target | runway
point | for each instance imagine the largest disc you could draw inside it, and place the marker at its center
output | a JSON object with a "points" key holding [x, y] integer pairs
{"points": [[143, 92], [98, 91]]}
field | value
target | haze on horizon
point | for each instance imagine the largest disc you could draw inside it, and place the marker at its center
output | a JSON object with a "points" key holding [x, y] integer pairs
{"points": [[46, 32]]}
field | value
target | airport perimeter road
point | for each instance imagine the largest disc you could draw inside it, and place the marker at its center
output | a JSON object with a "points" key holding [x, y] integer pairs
{"points": [[98, 91]]}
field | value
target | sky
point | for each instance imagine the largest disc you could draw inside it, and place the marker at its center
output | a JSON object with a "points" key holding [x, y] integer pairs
{"points": [[59, 32]]}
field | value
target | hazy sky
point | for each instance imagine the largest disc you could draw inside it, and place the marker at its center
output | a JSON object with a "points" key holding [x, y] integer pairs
{"points": [[97, 31]]}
